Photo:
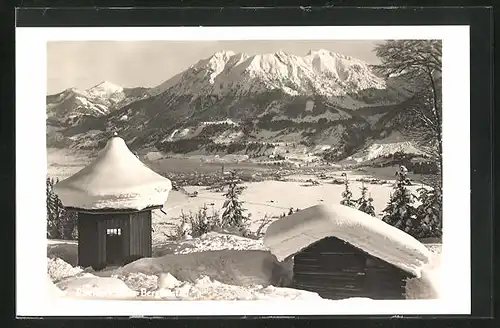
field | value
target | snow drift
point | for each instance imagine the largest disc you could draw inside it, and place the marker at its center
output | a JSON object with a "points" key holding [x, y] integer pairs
{"points": [[212, 241], [290, 235], [233, 267], [206, 288], [58, 269], [138, 281], [65, 250], [428, 286], [93, 286], [184, 277], [115, 179]]}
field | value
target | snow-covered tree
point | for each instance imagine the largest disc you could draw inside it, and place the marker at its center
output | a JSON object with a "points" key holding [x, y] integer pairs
{"points": [[347, 194], [410, 58], [232, 215], [429, 212], [418, 62], [400, 211], [53, 226], [365, 202], [61, 224]]}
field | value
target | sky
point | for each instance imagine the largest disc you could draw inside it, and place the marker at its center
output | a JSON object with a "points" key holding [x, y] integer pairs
{"points": [[83, 64]]}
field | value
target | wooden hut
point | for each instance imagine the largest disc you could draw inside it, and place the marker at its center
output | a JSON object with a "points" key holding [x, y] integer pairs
{"points": [[114, 196], [340, 252]]}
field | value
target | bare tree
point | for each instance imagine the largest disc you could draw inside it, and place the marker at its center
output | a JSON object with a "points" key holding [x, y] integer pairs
{"points": [[418, 62]]}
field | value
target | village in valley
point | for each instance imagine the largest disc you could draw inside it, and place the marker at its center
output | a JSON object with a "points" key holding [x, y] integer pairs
{"points": [[252, 177]]}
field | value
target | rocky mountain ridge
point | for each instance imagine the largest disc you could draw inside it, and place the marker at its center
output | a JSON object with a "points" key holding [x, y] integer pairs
{"points": [[99, 100], [235, 102]]}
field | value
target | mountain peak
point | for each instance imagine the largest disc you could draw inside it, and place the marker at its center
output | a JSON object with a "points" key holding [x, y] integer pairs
{"points": [[324, 52], [104, 90], [224, 54], [319, 72], [106, 85], [317, 51], [72, 89]]}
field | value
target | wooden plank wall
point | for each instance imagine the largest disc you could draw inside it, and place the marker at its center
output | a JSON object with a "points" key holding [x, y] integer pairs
{"points": [[384, 281], [87, 243], [136, 232], [140, 235], [337, 270], [149, 234]]}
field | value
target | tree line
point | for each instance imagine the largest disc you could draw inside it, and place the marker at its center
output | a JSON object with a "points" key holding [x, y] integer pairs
{"points": [[418, 215]]}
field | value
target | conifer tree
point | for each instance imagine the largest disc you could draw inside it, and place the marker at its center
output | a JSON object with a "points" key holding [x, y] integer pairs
{"points": [[400, 211], [61, 224], [347, 194], [429, 212], [365, 202], [232, 215], [53, 226]]}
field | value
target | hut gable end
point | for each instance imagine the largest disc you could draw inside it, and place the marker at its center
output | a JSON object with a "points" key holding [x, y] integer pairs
{"points": [[288, 236], [335, 270]]}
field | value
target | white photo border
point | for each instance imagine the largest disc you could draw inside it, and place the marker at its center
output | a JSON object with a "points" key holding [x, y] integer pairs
{"points": [[31, 267]]}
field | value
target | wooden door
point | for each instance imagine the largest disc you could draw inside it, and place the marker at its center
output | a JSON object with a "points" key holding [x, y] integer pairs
{"points": [[114, 246]]}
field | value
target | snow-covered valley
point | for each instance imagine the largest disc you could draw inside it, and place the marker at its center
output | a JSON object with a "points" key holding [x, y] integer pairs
{"points": [[217, 265], [248, 176]]}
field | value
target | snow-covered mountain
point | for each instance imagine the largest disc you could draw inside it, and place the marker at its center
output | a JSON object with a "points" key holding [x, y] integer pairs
{"points": [[323, 99], [344, 79], [106, 90], [99, 100]]}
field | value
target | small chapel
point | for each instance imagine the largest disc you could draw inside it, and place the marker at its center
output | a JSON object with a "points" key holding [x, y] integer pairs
{"points": [[114, 196]]}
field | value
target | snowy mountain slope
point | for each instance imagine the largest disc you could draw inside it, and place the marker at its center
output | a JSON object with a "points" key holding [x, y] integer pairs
{"points": [[99, 100], [72, 102], [106, 91], [320, 72], [388, 145], [320, 99], [309, 118]]}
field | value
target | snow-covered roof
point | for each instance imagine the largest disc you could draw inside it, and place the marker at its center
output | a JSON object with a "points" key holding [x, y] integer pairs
{"points": [[293, 233], [116, 179]]}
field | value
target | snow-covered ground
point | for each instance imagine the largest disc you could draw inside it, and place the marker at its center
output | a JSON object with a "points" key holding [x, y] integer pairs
{"points": [[215, 265], [212, 267], [262, 200], [267, 199], [388, 145]]}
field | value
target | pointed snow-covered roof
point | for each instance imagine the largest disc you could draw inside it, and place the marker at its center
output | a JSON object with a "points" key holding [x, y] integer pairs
{"points": [[290, 235], [116, 179]]}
